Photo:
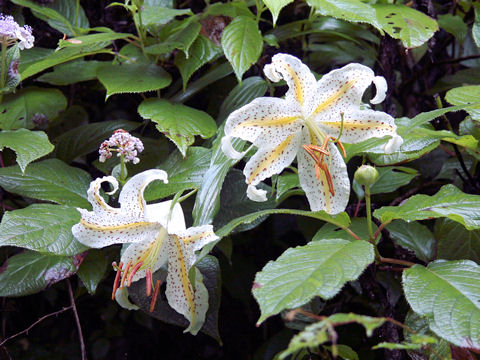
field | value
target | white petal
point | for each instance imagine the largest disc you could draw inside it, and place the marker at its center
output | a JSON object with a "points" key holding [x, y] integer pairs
{"points": [[381, 88], [317, 190], [131, 197], [160, 212], [195, 238], [393, 144], [98, 202], [264, 121], [201, 304], [272, 160], [228, 149], [255, 194], [121, 295], [300, 80]]}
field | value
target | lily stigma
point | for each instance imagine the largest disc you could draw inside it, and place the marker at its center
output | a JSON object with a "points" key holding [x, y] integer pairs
{"points": [[154, 235], [308, 124]]}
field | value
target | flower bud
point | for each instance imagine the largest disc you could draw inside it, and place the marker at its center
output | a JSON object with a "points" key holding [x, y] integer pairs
{"points": [[366, 175]]}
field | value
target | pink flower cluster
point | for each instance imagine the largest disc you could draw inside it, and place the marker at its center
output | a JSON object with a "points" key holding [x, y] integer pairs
{"points": [[123, 143], [10, 32]]}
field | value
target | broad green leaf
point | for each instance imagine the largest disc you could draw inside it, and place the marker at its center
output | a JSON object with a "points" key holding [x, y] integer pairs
{"points": [[87, 138], [207, 201], [132, 78], [331, 231], [320, 268], [30, 272], [319, 333], [71, 73], [210, 270], [389, 179], [448, 294], [45, 228], [285, 183], [12, 61], [401, 22], [463, 77], [455, 242], [50, 180], [200, 53], [242, 44], [28, 145], [454, 24], [344, 352], [29, 106], [93, 269], [466, 95], [349, 10], [275, 6], [178, 122], [413, 236], [231, 9], [448, 202], [476, 24], [159, 15], [184, 173], [451, 166], [103, 39], [181, 39]]}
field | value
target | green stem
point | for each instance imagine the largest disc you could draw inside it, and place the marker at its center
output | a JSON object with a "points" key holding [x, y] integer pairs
{"points": [[186, 196], [369, 214], [4, 69], [123, 169]]}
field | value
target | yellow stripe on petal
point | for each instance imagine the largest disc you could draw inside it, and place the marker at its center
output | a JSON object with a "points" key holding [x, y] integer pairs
{"points": [[93, 226], [280, 121], [270, 158], [336, 96], [356, 125], [193, 238], [186, 286], [326, 191], [298, 85]]}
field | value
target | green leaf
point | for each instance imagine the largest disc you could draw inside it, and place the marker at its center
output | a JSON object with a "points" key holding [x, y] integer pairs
{"points": [[332, 231], [401, 22], [28, 145], [349, 10], [318, 333], [210, 271], [159, 15], [200, 53], [476, 24], [181, 39], [466, 95], [29, 105], [415, 237], [71, 73], [389, 179], [320, 268], [454, 25], [30, 272], [207, 201], [275, 6], [344, 351], [448, 202], [184, 173], [87, 138], [455, 242], [50, 180], [103, 39], [45, 228], [132, 78], [178, 122], [242, 44], [448, 294], [93, 270], [285, 183]]}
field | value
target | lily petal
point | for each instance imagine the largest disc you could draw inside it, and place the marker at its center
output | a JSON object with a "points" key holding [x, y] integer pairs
{"points": [[195, 238], [317, 190], [393, 144], [300, 80], [228, 149], [272, 160], [121, 296], [160, 213], [255, 194], [98, 202], [381, 86], [264, 120]]}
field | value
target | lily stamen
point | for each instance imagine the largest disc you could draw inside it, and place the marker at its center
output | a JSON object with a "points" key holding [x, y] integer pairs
{"points": [[117, 278], [134, 270], [155, 295], [149, 282], [125, 273]]}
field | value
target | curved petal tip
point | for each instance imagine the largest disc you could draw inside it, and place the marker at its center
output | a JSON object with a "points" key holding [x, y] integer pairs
{"points": [[228, 149], [393, 144], [255, 194], [381, 88]]}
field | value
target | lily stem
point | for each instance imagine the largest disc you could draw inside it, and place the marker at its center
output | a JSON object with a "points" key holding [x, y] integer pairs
{"points": [[369, 214], [123, 169]]}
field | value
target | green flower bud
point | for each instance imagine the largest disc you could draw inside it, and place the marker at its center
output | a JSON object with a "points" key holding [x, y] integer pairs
{"points": [[366, 175]]}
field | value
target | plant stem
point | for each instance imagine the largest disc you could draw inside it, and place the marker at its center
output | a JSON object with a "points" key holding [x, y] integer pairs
{"points": [[123, 169], [3, 78], [369, 214], [77, 320]]}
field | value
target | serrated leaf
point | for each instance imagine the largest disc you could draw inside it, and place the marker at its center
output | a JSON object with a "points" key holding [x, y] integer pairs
{"points": [[87, 138], [401, 22], [318, 333], [455, 242], [413, 236], [181, 39], [210, 271], [207, 201], [30, 272], [184, 173], [29, 105], [320, 268], [45, 228], [200, 53], [349, 10], [448, 294], [178, 122], [275, 6], [389, 179], [465, 95], [71, 73], [28, 145], [93, 269], [132, 78], [50, 180], [448, 202], [242, 44]]}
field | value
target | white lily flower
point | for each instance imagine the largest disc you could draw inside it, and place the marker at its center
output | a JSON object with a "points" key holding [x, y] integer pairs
{"points": [[156, 235], [306, 125]]}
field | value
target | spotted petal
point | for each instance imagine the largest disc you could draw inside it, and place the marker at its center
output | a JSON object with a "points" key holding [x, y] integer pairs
{"points": [[195, 238], [317, 190]]}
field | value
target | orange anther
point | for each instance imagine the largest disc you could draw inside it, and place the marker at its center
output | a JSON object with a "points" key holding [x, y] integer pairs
{"points": [[324, 167], [125, 273], [134, 270], [149, 282], [117, 278], [155, 295]]}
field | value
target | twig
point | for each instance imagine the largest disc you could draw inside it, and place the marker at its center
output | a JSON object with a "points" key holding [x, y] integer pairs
{"points": [[35, 323], [396, 261], [460, 59], [77, 320]]}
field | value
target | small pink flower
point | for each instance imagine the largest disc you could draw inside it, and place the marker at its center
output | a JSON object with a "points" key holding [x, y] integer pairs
{"points": [[10, 32], [124, 144]]}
